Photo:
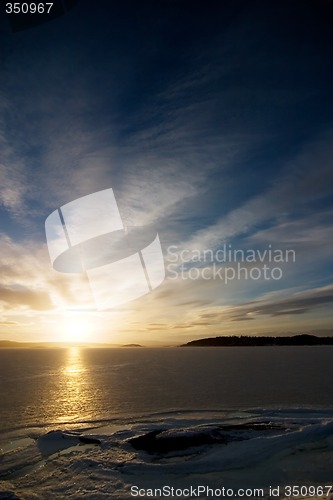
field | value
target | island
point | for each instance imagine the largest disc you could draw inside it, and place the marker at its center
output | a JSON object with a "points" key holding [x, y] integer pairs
{"points": [[249, 341], [131, 345]]}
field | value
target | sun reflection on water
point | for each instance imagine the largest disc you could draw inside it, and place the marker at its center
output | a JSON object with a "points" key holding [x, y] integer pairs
{"points": [[73, 395], [74, 364]]}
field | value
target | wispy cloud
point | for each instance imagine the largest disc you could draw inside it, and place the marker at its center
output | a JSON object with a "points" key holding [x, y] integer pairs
{"points": [[13, 181], [28, 282], [298, 303], [305, 180]]}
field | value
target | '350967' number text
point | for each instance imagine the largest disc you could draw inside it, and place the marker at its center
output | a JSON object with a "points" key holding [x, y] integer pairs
{"points": [[28, 8]]}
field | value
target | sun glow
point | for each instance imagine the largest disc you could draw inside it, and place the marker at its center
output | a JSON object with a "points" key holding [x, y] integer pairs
{"points": [[75, 329]]}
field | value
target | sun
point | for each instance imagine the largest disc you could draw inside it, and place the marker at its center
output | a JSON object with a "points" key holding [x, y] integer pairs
{"points": [[75, 329]]}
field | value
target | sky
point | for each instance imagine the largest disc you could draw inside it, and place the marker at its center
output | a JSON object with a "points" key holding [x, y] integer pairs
{"points": [[211, 122]]}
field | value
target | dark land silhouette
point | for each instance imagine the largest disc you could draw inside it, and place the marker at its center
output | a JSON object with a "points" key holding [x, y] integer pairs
{"points": [[250, 341], [131, 345]]}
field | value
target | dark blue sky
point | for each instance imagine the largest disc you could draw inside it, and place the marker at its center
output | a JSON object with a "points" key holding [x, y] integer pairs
{"points": [[210, 120]]}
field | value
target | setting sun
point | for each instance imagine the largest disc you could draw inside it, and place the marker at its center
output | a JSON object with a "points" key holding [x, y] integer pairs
{"points": [[75, 329]]}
